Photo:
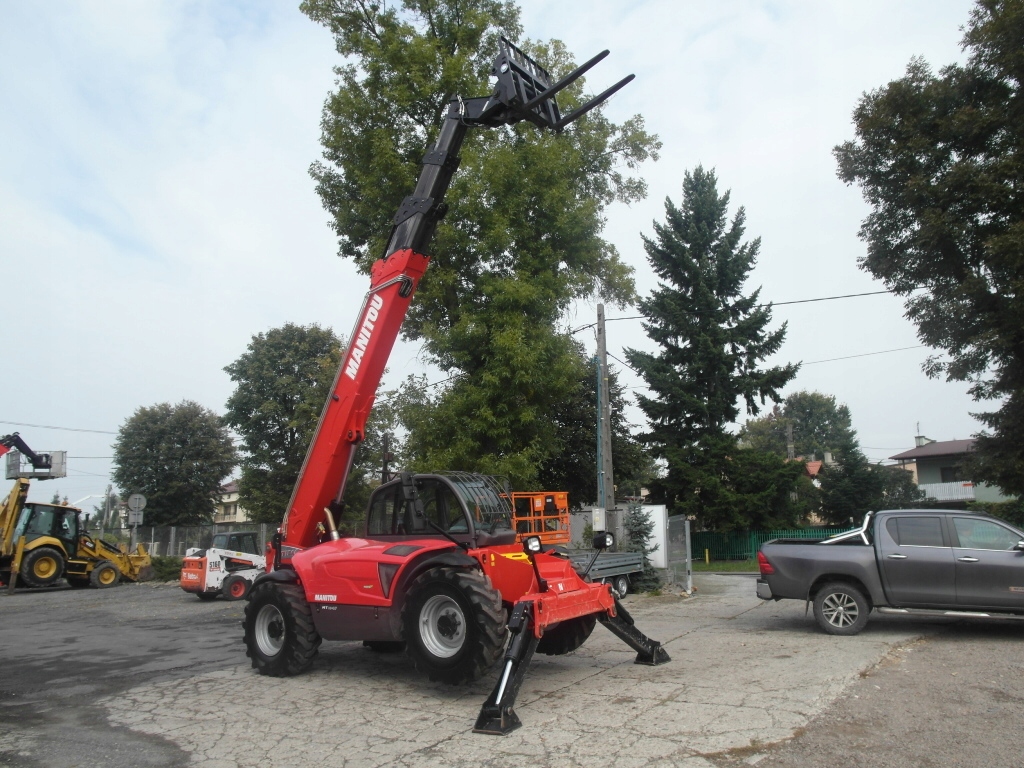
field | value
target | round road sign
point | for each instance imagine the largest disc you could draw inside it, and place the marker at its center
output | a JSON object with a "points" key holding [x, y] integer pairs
{"points": [[136, 502]]}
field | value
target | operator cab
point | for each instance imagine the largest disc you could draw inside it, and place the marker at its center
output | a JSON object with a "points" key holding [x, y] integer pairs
{"points": [[469, 508], [237, 542], [59, 522]]}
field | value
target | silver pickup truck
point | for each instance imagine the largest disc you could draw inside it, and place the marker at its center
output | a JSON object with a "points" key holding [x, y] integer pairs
{"points": [[913, 561]]}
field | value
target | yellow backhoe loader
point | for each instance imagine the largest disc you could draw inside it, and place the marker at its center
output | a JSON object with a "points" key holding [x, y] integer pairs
{"points": [[43, 543]]}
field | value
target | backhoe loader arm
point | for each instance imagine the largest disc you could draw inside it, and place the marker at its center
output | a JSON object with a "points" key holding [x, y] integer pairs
{"points": [[523, 91]]}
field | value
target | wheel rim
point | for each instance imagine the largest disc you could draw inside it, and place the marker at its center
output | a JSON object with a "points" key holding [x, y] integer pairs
{"points": [[442, 626], [44, 568], [107, 576], [621, 586], [840, 610], [270, 630], [237, 588]]}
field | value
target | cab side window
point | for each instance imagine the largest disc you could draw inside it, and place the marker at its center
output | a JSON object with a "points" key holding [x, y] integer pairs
{"points": [[982, 534], [916, 531], [382, 513]]}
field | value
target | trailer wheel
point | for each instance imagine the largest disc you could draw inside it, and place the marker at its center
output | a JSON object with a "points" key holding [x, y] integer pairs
{"points": [[841, 609], [454, 625], [620, 586], [567, 636], [235, 588], [280, 637], [104, 575], [42, 567]]}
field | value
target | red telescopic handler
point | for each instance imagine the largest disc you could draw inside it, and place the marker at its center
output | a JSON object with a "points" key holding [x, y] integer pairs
{"points": [[439, 572]]}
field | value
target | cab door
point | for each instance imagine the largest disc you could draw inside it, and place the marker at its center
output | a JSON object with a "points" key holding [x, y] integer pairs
{"points": [[916, 561], [989, 567]]}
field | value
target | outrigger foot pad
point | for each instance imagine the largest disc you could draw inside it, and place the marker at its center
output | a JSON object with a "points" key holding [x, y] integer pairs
{"points": [[497, 716], [649, 652]]}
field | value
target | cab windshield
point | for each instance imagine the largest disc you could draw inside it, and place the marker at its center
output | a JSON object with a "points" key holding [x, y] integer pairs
{"points": [[485, 499]]}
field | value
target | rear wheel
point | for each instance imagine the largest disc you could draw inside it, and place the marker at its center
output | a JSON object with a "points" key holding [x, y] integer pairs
{"points": [[567, 636], [841, 609], [454, 625], [280, 638], [104, 575], [235, 587], [42, 567]]}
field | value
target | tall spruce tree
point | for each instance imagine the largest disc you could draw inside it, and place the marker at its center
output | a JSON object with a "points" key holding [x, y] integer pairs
{"points": [[713, 340]]}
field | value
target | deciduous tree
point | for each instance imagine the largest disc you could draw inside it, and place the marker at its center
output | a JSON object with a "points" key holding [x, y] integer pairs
{"points": [[819, 425], [940, 160], [177, 456], [522, 238]]}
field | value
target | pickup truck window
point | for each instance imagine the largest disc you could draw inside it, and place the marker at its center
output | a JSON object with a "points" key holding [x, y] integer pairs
{"points": [[981, 534], [916, 531]]}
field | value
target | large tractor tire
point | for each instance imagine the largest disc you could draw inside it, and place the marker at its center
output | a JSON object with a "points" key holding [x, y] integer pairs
{"points": [[567, 636], [454, 625], [42, 567], [104, 575], [280, 638]]}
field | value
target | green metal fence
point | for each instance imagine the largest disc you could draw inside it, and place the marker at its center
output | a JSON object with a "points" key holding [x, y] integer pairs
{"points": [[743, 545]]}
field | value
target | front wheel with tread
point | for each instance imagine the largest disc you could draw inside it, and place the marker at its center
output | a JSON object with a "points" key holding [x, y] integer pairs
{"points": [[235, 588], [454, 625], [280, 637], [42, 567], [841, 609], [104, 575]]}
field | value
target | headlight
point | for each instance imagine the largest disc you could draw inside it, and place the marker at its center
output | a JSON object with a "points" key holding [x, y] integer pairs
{"points": [[604, 540], [531, 545]]}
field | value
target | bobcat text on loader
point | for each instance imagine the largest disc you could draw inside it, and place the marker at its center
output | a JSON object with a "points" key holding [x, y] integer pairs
{"points": [[439, 569]]}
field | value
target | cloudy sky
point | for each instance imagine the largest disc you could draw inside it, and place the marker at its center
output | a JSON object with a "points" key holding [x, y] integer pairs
{"points": [[156, 210]]}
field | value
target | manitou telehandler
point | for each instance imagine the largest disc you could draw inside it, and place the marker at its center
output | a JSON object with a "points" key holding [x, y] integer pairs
{"points": [[439, 569]]}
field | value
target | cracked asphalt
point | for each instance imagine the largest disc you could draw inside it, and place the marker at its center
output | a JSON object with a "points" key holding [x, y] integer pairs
{"points": [[148, 675]]}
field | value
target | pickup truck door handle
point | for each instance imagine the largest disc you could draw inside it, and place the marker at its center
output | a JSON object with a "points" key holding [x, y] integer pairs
{"points": [[897, 557], [967, 559]]}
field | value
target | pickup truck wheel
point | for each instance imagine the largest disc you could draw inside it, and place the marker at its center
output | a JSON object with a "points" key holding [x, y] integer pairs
{"points": [[841, 609], [280, 637], [567, 636], [454, 625]]}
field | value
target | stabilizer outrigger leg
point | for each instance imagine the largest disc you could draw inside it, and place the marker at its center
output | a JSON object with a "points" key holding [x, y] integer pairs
{"points": [[497, 716], [648, 651]]}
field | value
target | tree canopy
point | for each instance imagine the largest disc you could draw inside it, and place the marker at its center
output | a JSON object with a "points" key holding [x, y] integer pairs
{"points": [[713, 339], [853, 486], [940, 160], [177, 456], [281, 384], [522, 238], [819, 425]]}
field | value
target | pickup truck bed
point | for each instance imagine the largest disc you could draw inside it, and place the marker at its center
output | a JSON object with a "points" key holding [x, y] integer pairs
{"points": [[932, 562]]}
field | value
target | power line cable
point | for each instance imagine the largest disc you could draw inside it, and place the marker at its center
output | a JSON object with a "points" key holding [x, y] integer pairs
{"points": [[62, 429], [866, 354]]}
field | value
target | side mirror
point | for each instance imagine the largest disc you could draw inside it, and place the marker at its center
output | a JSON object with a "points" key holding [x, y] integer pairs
{"points": [[1019, 546], [604, 540], [531, 545]]}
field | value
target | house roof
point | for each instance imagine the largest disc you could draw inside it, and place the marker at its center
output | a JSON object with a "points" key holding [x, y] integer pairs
{"points": [[229, 487], [813, 467], [936, 449]]}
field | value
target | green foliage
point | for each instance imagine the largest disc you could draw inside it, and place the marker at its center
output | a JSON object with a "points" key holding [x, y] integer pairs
{"points": [[819, 425], [713, 340], [105, 511], [1010, 511], [853, 486], [639, 528], [940, 159], [522, 237], [177, 456], [166, 568], [281, 384]]}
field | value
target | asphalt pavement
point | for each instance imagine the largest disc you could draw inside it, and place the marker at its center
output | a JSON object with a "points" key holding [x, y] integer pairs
{"points": [[149, 675]]}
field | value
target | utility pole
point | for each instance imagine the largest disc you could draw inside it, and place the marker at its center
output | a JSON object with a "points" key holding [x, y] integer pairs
{"points": [[605, 478], [790, 445]]}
